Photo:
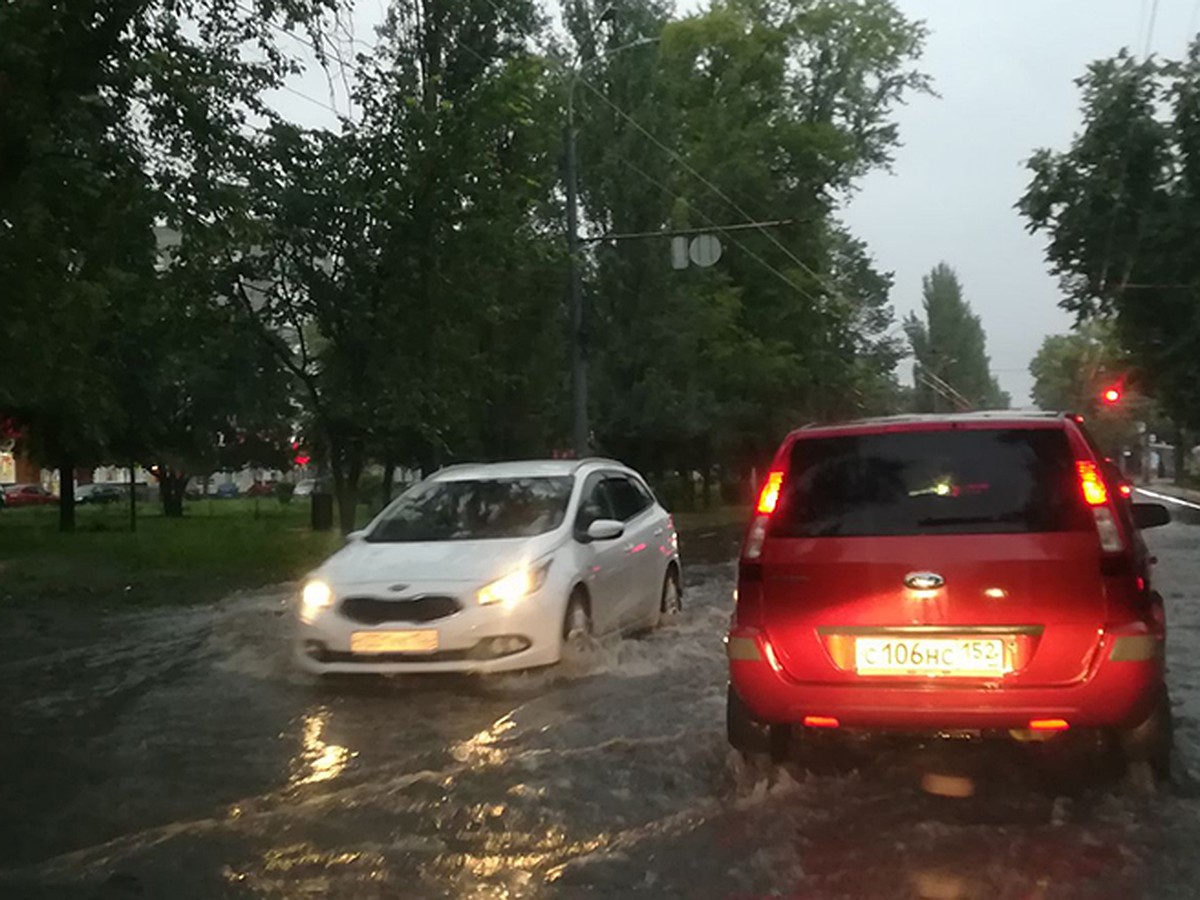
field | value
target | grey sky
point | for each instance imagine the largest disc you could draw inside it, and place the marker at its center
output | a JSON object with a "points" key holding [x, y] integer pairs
{"points": [[1004, 70]]}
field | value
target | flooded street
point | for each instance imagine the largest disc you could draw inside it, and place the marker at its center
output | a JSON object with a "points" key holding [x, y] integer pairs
{"points": [[178, 754]]}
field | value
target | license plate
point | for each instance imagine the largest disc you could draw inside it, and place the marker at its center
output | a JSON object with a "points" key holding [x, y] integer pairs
{"points": [[929, 656], [425, 641]]}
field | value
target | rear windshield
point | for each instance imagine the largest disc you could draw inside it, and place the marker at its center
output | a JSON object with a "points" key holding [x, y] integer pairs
{"points": [[475, 510], [931, 482]]}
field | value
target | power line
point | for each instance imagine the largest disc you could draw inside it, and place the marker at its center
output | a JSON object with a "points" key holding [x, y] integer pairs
{"points": [[321, 52], [313, 100], [1150, 28], [708, 184], [680, 232], [650, 178]]}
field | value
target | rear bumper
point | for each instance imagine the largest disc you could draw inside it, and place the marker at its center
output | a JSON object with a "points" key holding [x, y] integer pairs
{"points": [[1117, 693]]}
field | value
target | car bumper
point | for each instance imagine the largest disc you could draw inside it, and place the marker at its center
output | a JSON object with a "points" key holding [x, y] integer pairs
{"points": [[1116, 693], [463, 642]]}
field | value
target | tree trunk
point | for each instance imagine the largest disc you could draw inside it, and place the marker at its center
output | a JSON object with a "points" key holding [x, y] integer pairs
{"points": [[389, 475], [687, 498], [171, 484], [132, 499], [66, 496], [346, 462], [1180, 454]]}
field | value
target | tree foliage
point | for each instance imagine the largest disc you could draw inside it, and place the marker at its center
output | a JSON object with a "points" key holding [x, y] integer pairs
{"points": [[951, 369], [1121, 212], [392, 284], [114, 116], [745, 111], [1071, 371]]}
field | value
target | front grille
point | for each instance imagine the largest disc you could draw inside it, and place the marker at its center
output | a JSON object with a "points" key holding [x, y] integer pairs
{"points": [[375, 611]]}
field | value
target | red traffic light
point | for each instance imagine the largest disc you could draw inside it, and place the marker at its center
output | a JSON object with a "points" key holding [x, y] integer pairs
{"points": [[1112, 395]]}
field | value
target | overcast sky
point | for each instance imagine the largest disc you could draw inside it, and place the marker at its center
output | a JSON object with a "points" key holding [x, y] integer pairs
{"points": [[1004, 72]]}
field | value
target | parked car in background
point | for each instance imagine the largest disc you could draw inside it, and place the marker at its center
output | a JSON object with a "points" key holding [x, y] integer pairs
{"points": [[28, 495], [487, 568], [101, 493], [227, 491], [974, 574], [305, 488], [261, 489]]}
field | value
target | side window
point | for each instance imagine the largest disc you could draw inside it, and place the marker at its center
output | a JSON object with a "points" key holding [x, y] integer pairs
{"points": [[647, 495], [593, 503], [627, 501]]}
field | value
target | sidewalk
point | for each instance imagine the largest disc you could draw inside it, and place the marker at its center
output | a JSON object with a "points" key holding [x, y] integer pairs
{"points": [[1169, 489]]}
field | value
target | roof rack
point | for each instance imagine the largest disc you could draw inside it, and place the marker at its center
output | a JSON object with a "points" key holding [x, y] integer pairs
{"points": [[587, 460], [977, 414]]}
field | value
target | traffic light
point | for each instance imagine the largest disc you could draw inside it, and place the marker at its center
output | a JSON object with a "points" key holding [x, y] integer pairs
{"points": [[1111, 395]]}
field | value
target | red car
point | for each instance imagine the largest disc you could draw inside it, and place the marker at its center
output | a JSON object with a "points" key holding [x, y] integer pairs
{"points": [[975, 574], [28, 495], [261, 489]]}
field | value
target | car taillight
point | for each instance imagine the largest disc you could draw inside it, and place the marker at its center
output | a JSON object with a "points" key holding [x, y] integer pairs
{"points": [[1095, 492], [1095, 495], [768, 500], [755, 538]]}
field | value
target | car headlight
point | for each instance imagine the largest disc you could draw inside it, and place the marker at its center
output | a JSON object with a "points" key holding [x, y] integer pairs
{"points": [[515, 586], [317, 596]]}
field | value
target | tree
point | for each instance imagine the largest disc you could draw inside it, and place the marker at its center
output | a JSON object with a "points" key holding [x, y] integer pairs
{"points": [[1071, 371], [400, 263], [111, 114], [1121, 212], [952, 367], [746, 111]]}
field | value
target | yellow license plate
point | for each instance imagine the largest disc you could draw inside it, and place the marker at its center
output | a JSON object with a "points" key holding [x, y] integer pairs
{"points": [[929, 656], [424, 641]]}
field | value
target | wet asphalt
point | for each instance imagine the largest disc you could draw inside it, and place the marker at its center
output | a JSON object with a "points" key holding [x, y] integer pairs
{"points": [[177, 754]]}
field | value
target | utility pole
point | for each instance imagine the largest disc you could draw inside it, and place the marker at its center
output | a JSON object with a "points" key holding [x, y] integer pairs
{"points": [[580, 429]]}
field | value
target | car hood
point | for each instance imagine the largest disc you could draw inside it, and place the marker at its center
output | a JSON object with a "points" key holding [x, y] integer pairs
{"points": [[362, 562]]}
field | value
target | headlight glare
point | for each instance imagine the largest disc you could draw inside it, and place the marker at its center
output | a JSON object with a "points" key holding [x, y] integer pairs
{"points": [[317, 595], [515, 586]]}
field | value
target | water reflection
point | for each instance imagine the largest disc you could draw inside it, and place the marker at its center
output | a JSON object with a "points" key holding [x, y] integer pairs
{"points": [[319, 760], [481, 749]]}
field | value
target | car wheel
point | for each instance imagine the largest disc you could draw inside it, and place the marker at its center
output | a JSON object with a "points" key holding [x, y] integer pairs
{"points": [[577, 625], [671, 601], [744, 732], [1151, 744]]}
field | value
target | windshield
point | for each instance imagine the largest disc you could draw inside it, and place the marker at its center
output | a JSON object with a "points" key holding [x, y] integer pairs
{"points": [[931, 482], [476, 510]]}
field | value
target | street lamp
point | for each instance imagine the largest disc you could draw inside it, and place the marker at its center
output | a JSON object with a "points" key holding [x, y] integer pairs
{"points": [[580, 430]]}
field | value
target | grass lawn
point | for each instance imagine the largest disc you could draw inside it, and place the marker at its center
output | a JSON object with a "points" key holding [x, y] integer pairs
{"points": [[217, 547], [715, 517]]}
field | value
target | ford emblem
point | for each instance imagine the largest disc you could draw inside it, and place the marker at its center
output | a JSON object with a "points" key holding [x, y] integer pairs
{"points": [[924, 581]]}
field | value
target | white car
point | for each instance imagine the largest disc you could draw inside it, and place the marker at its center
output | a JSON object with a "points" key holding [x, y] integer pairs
{"points": [[305, 488], [488, 568]]}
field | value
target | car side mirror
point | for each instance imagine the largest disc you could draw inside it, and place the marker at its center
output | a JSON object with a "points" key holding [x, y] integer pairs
{"points": [[1150, 515], [605, 530]]}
